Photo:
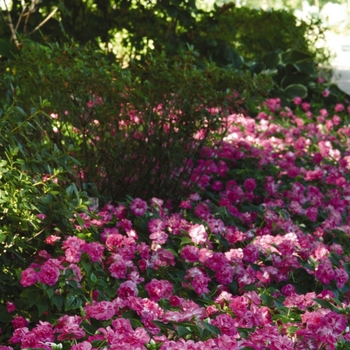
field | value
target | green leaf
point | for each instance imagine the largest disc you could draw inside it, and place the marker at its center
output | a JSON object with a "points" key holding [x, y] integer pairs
{"points": [[182, 331], [292, 56], [186, 240], [7, 48], [5, 316], [271, 59], [211, 328], [326, 304], [58, 301], [42, 306], [295, 90], [33, 297], [93, 278]]}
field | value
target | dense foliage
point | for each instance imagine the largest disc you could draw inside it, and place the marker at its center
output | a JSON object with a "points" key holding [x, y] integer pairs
{"points": [[222, 34], [132, 129], [36, 182], [221, 166], [256, 258]]}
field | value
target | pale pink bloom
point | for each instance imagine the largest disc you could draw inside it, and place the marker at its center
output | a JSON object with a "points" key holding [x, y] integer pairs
{"points": [[198, 234], [156, 202]]}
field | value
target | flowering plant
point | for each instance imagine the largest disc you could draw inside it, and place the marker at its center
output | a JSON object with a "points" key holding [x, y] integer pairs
{"points": [[257, 258]]}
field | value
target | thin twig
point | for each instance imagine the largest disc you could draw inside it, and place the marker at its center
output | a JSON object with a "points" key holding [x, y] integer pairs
{"points": [[44, 21], [9, 22], [20, 16]]}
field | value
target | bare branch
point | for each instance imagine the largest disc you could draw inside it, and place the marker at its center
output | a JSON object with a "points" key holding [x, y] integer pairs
{"points": [[44, 21], [10, 24]]}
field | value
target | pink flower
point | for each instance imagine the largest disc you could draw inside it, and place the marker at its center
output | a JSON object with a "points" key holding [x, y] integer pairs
{"points": [[10, 306], [18, 335], [156, 225], [216, 225], [249, 184], [339, 107], [127, 289], [305, 106], [52, 239], [19, 322], [69, 328], [138, 207], [297, 100], [159, 289], [324, 112], [49, 273], [224, 275], [251, 253], [82, 346], [326, 93], [226, 324], [118, 268], [198, 279], [325, 272], [190, 253], [29, 277], [341, 277], [72, 246], [103, 310], [95, 250]]}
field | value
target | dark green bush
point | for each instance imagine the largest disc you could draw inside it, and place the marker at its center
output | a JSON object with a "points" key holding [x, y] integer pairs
{"points": [[133, 129]]}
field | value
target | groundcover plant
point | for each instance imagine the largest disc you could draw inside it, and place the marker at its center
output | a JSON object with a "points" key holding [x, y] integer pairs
{"points": [[257, 258]]}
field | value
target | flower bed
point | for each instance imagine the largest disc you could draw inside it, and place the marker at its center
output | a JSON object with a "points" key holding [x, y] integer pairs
{"points": [[258, 258]]}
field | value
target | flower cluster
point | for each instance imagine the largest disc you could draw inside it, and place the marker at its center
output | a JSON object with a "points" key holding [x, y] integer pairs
{"points": [[258, 258]]}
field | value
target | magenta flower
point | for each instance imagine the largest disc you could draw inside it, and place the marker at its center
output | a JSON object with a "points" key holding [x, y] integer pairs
{"points": [[138, 207], [29, 277]]}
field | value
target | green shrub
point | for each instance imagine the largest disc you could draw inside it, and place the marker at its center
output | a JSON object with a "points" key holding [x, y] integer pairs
{"points": [[134, 129], [37, 195], [251, 33]]}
